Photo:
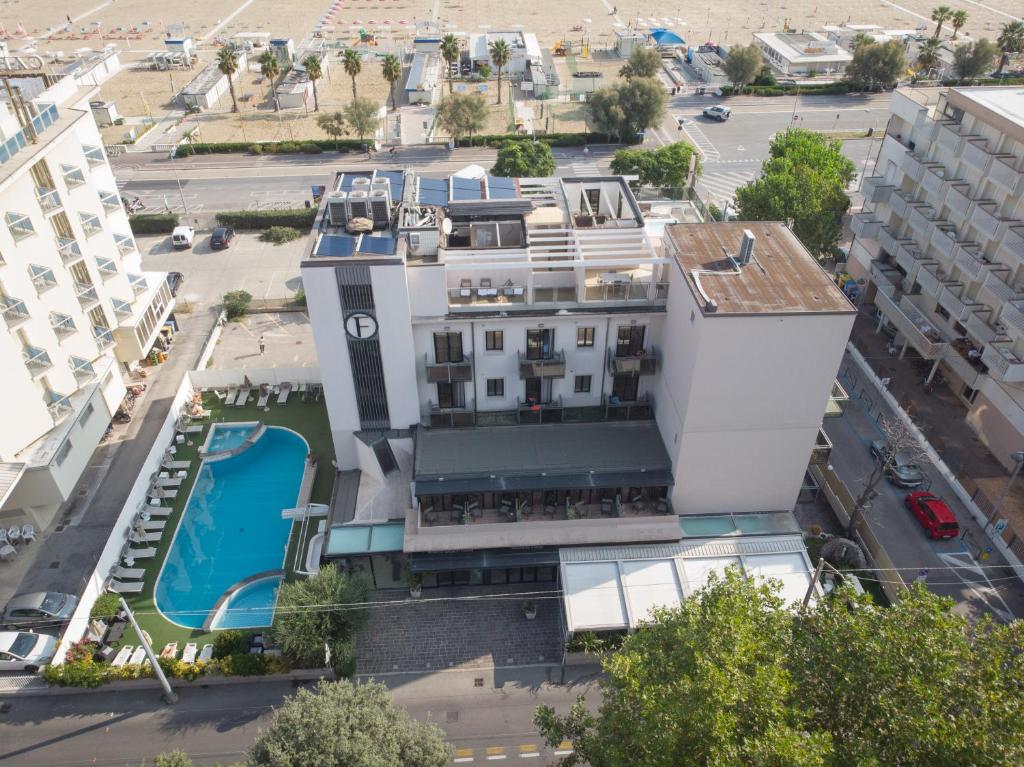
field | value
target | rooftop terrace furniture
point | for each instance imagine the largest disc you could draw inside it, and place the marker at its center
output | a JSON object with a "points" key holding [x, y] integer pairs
{"points": [[168, 481], [206, 654], [196, 428], [7, 552], [28, 533], [154, 526], [170, 650], [465, 288], [264, 395], [159, 511], [125, 588], [172, 465], [282, 396], [243, 396], [232, 396], [137, 537], [138, 657], [188, 655], [128, 573], [122, 656], [161, 492], [129, 555]]}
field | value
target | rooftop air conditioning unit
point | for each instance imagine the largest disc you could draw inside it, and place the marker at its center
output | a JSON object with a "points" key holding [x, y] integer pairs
{"points": [[358, 205], [380, 206], [337, 213], [381, 183], [361, 183]]}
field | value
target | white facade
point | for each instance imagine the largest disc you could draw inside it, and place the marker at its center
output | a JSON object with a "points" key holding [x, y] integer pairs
{"points": [[70, 283], [802, 53], [941, 238], [524, 47]]}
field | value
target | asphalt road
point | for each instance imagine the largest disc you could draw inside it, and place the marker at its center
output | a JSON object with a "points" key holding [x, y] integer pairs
{"points": [[217, 724]]}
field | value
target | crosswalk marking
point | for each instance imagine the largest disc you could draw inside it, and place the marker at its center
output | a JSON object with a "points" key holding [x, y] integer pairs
{"points": [[693, 132], [564, 748], [585, 169], [463, 755], [494, 753], [723, 186]]}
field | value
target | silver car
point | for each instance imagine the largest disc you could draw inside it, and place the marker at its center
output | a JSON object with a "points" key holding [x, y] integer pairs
{"points": [[40, 608], [24, 651], [900, 470]]}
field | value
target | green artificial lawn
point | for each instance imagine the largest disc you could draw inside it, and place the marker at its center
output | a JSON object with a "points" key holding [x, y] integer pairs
{"points": [[309, 420]]}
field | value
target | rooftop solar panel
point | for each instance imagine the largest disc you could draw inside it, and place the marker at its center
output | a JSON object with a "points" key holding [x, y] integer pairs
{"points": [[501, 188], [385, 245], [335, 245]]}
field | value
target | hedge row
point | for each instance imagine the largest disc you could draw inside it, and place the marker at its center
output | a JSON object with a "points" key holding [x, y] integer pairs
{"points": [[298, 218], [822, 89], [554, 139], [153, 223], [272, 147], [987, 81]]}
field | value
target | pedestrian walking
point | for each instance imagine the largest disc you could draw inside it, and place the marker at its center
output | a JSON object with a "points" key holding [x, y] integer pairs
{"points": [[263, 346]]}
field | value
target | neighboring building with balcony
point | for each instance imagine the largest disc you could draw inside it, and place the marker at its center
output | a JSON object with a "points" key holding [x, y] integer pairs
{"points": [[941, 238], [517, 366], [77, 308]]}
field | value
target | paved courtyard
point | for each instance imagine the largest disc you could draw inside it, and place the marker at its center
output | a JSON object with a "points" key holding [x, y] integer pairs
{"points": [[459, 628], [287, 339]]}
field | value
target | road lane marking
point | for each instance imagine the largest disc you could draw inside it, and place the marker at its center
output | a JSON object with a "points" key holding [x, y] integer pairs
{"points": [[564, 748], [463, 755], [528, 751]]}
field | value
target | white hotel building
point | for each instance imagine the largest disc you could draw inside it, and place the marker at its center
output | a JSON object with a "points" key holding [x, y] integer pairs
{"points": [[517, 368], [941, 239], [77, 309]]}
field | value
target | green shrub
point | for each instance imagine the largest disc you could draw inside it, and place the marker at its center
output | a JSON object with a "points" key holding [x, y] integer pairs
{"points": [[235, 304], [270, 147], [300, 297], [105, 606], [256, 148], [175, 758], [153, 223], [309, 147], [552, 139], [81, 673], [243, 664], [285, 147], [297, 218], [232, 641], [280, 234]]}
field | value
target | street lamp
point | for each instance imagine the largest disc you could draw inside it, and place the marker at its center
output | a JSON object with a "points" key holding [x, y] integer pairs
{"points": [[1018, 463]]}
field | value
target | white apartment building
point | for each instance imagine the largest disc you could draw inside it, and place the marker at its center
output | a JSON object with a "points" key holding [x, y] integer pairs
{"points": [[941, 238], [516, 366], [77, 308]]}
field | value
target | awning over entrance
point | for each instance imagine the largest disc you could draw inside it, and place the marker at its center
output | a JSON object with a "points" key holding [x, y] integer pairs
{"points": [[482, 560], [611, 588]]}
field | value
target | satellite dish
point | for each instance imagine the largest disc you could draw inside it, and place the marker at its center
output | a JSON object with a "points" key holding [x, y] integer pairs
{"points": [[446, 226]]}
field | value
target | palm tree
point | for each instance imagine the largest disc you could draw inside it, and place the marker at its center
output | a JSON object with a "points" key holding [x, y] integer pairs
{"points": [[314, 72], [227, 62], [270, 68], [940, 16], [957, 21], [353, 64], [928, 54], [500, 55], [391, 68], [450, 53], [1010, 40]]}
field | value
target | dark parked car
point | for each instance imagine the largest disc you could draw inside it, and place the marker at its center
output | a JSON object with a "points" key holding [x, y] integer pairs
{"points": [[933, 514], [901, 471], [174, 280], [221, 237]]}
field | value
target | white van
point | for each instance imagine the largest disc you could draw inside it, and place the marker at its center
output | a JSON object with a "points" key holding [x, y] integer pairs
{"points": [[182, 237]]}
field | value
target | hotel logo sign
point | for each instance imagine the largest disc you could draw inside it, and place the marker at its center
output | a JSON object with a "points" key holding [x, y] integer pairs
{"points": [[361, 326]]}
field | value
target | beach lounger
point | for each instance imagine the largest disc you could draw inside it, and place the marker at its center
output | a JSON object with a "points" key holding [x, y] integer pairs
{"points": [[170, 650], [207, 653], [122, 656], [154, 526], [177, 465], [138, 656], [125, 588], [169, 482], [189, 653], [128, 573], [162, 492], [232, 395], [264, 395], [159, 511], [282, 396], [243, 397], [147, 553], [145, 537], [196, 428]]}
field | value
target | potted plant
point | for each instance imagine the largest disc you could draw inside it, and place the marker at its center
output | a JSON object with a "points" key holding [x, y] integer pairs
{"points": [[530, 609], [415, 585]]}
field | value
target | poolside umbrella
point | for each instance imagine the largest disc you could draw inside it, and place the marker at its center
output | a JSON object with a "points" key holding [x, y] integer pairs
{"points": [[663, 36]]}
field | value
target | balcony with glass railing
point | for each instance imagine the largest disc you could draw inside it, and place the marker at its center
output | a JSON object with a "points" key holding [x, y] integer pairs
{"points": [[110, 201], [86, 294], [125, 244], [94, 155], [484, 294], [564, 294], [82, 369], [838, 399], [103, 337], [69, 250], [59, 405], [644, 362], [121, 307], [544, 365], [138, 283], [19, 225], [73, 176], [90, 223], [47, 116], [62, 324], [15, 312], [444, 371], [49, 199], [42, 278], [106, 267], [36, 360], [602, 289]]}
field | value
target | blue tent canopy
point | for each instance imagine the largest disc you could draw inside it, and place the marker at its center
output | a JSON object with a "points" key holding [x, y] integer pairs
{"points": [[666, 37]]}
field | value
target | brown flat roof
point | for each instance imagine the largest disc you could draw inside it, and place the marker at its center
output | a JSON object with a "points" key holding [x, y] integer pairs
{"points": [[781, 278]]}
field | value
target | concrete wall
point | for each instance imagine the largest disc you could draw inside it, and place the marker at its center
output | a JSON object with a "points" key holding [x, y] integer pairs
{"points": [[214, 378], [391, 297]]}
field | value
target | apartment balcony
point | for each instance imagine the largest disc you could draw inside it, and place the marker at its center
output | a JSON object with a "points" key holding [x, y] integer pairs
{"points": [[87, 295], [913, 165], [36, 360], [930, 281], [1006, 173], [922, 219], [988, 221], [951, 299], [69, 250], [944, 239], [837, 401], [59, 405], [82, 369], [602, 289], [110, 201], [94, 155], [912, 326], [138, 283], [980, 331], [446, 372], [645, 363], [125, 244], [1011, 247], [15, 312], [865, 225], [822, 450], [995, 290], [971, 260], [49, 200], [565, 294], [877, 189], [469, 295], [121, 307], [449, 417], [887, 238], [73, 176], [900, 203], [934, 181], [1003, 364], [910, 257], [1012, 318], [959, 199], [90, 224], [969, 372], [950, 135], [615, 409], [976, 154], [62, 325], [552, 366], [886, 278], [103, 337], [42, 278], [106, 267]]}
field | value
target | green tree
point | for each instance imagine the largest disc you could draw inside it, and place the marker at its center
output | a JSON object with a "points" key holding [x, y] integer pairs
{"points": [[524, 159], [940, 16], [1010, 40], [235, 303], [391, 69], [668, 166], [451, 54], [643, 62], [928, 55], [859, 39], [462, 114], [500, 56], [339, 724], [352, 63], [957, 21], [270, 68], [877, 64], [314, 72], [333, 124], [227, 62], [302, 632], [742, 64], [361, 116], [804, 179], [626, 108], [972, 60], [175, 758]]}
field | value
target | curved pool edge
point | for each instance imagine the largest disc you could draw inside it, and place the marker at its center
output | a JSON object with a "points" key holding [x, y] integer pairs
{"points": [[259, 429], [222, 601]]}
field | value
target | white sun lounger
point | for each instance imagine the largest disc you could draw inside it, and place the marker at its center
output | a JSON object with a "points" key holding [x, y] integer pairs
{"points": [[159, 511], [138, 656], [282, 396], [207, 653], [264, 395], [145, 537], [126, 588], [122, 656], [232, 395], [188, 655], [147, 553], [243, 397], [128, 573], [196, 428], [154, 526], [162, 492], [169, 481], [172, 465]]}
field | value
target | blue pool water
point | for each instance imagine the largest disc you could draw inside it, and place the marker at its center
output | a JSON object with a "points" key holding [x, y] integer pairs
{"points": [[250, 606], [232, 529], [227, 436]]}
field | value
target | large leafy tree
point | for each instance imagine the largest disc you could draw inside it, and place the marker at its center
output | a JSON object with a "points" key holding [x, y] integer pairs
{"points": [[972, 60], [877, 64], [742, 64], [451, 54], [339, 724], [391, 70], [521, 159], [804, 179], [462, 114], [500, 56], [643, 62], [668, 166], [303, 628], [361, 116], [352, 63], [314, 72], [1010, 40], [734, 677], [626, 108], [270, 68], [227, 62], [333, 124]]}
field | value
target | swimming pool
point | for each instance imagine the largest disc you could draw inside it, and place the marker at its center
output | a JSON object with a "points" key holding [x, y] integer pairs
{"points": [[232, 530]]}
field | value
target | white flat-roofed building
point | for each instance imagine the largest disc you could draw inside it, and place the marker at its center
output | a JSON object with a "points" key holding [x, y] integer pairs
{"points": [[524, 46], [799, 54], [941, 240]]}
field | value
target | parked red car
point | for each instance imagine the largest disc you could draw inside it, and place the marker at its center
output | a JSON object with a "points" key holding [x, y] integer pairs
{"points": [[933, 514]]}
